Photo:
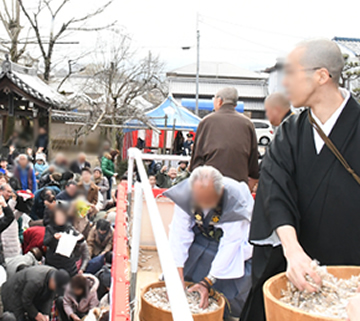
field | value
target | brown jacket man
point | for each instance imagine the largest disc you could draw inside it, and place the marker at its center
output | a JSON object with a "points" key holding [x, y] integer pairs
{"points": [[100, 242], [227, 140], [92, 195]]}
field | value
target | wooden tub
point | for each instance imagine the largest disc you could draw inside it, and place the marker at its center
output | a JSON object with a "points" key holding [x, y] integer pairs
{"points": [[149, 312], [279, 311]]}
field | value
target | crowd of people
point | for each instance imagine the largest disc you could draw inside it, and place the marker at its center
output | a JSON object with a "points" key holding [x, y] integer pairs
{"points": [[57, 224]]}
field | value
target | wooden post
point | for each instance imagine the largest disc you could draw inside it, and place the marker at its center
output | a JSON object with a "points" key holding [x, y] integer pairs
{"points": [[172, 137], [35, 125], [3, 128], [165, 133], [49, 148]]}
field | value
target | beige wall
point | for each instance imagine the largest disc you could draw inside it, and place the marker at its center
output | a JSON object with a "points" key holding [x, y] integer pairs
{"points": [[62, 137]]}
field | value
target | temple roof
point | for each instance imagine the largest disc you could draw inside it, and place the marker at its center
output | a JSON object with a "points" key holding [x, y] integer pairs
{"points": [[27, 80]]}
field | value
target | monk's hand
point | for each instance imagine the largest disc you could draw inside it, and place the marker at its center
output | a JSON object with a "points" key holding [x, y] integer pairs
{"points": [[353, 308], [298, 267], [204, 294]]}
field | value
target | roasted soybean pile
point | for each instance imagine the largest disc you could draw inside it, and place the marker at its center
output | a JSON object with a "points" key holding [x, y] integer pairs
{"points": [[330, 300], [158, 297]]}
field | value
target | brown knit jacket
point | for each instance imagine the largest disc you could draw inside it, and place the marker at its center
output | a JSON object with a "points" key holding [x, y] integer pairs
{"points": [[93, 193]]}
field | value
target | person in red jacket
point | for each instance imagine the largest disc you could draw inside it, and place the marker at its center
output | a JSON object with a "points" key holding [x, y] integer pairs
{"points": [[33, 237]]}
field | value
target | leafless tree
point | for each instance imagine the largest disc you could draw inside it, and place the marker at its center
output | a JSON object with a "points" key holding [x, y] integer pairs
{"points": [[10, 18], [47, 38], [120, 77]]}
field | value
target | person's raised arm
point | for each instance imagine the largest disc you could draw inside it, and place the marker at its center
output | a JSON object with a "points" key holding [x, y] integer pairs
{"points": [[8, 217], [298, 262]]}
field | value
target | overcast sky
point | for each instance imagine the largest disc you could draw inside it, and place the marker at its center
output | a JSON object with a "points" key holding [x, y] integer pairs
{"points": [[250, 34]]}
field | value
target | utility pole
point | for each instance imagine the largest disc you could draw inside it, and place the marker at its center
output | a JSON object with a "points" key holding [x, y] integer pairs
{"points": [[197, 64]]}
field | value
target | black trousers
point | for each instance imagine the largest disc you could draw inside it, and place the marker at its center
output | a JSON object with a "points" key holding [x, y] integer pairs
{"points": [[267, 261], [60, 307]]}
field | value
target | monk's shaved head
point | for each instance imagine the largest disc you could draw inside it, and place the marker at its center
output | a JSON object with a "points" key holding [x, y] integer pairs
{"points": [[277, 107], [228, 95], [322, 53], [278, 99]]}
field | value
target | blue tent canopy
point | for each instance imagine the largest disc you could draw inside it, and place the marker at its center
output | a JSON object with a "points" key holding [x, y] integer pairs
{"points": [[207, 104], [184, 119]]}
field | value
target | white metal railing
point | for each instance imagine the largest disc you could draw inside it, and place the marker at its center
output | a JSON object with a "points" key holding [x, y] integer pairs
{"points": [[179, 306]]}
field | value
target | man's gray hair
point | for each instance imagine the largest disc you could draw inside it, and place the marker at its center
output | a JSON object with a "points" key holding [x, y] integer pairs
{"points": [[229, 95], [206, 175], [323, 53]]}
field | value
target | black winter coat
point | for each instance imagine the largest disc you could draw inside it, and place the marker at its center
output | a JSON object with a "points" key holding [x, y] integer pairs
{"points": [[28, 291], [56, 260]]}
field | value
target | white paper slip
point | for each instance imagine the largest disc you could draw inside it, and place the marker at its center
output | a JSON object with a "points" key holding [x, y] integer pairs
{"points": [[66, 244]]}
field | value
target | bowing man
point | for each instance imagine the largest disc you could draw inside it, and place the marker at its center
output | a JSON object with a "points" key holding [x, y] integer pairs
{"points": [[209, 235], [307, 204]]}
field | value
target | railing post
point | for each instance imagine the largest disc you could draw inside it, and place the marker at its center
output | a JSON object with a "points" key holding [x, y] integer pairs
{"points": [[135, 243], [130, 181], [179, 306]]}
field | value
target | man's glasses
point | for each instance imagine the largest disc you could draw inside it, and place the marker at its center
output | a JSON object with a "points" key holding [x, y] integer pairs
{"points": [[315, 68], [290, 72]]}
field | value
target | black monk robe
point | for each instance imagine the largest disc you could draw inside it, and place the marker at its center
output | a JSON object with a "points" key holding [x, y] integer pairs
{"points": [[311, 192]]}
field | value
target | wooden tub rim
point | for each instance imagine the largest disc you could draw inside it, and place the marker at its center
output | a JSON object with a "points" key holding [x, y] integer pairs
{"points": [[162, 284], [272, 298]]}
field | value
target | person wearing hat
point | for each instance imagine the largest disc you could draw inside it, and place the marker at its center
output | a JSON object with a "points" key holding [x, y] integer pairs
{"points": [[101, 182], [40, 165], [182, 171], [182, 167], [188, 144], [31, 292], [104, 277]]}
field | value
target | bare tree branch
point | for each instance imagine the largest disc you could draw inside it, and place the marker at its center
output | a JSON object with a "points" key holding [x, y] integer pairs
{"points": [[93, 29], [71, 24]]}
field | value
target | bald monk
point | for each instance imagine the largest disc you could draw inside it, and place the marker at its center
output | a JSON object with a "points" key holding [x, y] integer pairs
{"points": [[227, 141], [277, 108], [307, 203]]}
